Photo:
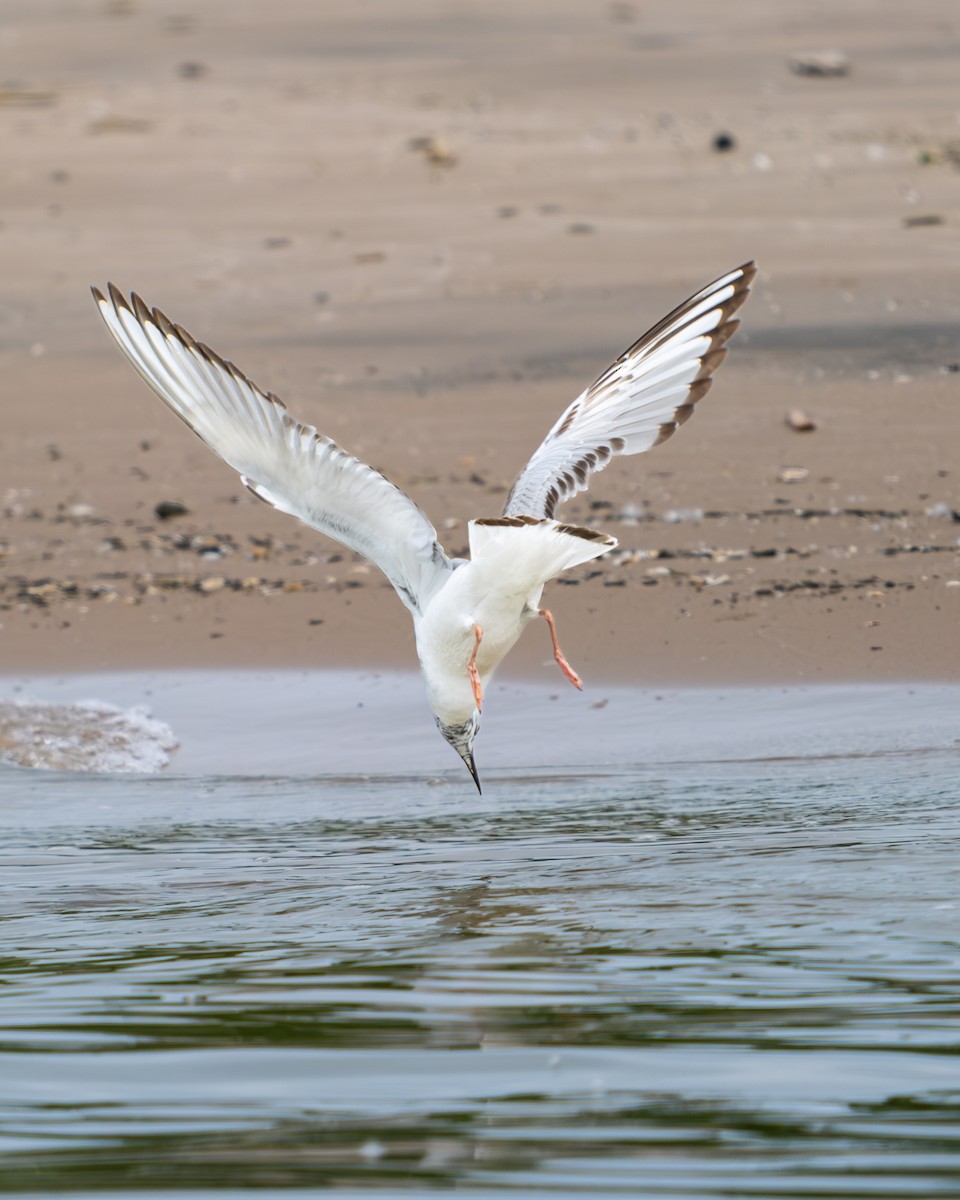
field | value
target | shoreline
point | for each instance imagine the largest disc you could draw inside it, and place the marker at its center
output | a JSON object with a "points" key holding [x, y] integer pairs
{"points": [[354, 724]]}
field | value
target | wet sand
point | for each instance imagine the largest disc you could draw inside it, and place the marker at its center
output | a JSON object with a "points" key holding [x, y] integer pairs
{"points": [[361, 725], [427, 232]]}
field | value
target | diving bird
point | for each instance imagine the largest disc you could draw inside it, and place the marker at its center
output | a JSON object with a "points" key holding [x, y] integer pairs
{"points": [[467, 613]]}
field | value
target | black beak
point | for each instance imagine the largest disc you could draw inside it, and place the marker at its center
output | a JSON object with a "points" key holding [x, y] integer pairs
{"points": [[472, 768]]}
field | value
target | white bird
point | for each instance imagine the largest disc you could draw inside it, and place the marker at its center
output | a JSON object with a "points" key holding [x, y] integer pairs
{"points": [[467, 614]]}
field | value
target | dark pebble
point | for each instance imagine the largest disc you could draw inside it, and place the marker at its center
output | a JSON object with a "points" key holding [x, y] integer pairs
{"points": [[167, 509]]}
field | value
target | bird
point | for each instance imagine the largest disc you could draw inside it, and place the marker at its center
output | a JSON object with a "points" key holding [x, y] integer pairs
{"points": [[467, 613]]}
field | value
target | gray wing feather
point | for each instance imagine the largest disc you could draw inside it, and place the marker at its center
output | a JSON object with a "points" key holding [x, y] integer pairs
{"points": [[638, 401], [285, 463]]}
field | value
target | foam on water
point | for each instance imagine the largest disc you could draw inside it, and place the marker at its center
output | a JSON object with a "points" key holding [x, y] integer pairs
{"points": [[87, 735]]}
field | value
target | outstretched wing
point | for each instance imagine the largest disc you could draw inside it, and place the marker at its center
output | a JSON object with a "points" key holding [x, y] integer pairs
{"points": [[637, 402], [289, 465]]}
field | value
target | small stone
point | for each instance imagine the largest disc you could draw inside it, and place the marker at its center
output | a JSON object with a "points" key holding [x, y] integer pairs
{"points": [[797, 419], [793, 474], [674, 516], [820, 63], [631, 514], [920, 220], [167, 509], [191, 70], [213, 583], [724, 142], [434, 151]]}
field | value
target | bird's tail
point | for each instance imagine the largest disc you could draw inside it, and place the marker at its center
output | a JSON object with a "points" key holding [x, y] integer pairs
{"points": [[539, 549]]}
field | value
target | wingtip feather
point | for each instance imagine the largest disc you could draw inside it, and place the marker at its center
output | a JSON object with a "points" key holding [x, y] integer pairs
{"points": [[117, 298]]}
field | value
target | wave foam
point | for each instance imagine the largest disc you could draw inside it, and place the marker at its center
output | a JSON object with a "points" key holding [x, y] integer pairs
{"points": [[86, 736]]}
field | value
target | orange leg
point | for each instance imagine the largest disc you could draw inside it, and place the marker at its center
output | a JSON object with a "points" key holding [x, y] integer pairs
{"points": [[558, 653], [472, 668]]}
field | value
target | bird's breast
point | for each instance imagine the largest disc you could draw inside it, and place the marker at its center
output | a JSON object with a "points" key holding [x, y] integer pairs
{"points": [[446, 631]]}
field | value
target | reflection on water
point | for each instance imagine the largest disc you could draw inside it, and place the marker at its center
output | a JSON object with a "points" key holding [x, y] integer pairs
{"points": [[713, 980]]}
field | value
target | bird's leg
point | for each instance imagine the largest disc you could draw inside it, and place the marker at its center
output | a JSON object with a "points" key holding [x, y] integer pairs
{"points": [[472, 668], [558, 653]]}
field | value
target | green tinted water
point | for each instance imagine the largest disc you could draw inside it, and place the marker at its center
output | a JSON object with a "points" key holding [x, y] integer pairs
{"points": [[719, 979]]}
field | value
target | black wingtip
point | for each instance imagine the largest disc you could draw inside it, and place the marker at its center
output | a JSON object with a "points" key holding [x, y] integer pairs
{"points": [[748, 272]]}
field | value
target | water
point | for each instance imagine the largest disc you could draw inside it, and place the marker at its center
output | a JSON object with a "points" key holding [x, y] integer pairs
{"points": [[699, 979]]}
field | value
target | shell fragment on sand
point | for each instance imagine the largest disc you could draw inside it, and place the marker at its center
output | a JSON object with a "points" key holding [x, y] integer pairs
{"points": [[822, 63], [798, 420]]}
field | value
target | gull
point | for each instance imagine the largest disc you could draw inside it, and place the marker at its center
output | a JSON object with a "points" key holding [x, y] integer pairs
{"points": [[467, 613]]}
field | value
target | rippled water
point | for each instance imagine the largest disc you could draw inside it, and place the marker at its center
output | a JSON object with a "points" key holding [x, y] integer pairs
{"points": [[734, 978]]}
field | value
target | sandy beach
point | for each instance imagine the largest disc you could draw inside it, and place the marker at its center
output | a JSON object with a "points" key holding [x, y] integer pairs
{"points": [[427, 229]]}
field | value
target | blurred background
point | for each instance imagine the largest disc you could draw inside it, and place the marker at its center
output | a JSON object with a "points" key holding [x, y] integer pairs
{"points": [[428, 225]]}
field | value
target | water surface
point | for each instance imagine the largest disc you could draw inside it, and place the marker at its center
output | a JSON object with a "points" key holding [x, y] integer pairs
{"points": [[716, 978]]}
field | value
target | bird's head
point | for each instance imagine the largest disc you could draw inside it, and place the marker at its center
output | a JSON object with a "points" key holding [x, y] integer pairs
{"points": [[461, 739]]}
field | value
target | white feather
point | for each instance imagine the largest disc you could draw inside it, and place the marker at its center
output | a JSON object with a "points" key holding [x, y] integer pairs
{"points": [[637, 402], [289, 465]]}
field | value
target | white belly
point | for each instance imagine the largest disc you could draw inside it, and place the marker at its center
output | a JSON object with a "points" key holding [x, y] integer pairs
{"points": [[472, 597]]}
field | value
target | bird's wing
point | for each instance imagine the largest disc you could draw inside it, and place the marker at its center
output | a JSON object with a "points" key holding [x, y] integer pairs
{"points": [[638, 401], [289, 465]]}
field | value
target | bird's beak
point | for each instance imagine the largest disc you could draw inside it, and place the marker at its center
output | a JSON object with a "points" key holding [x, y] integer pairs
{"points": [[460, 737], [472, 768]]}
